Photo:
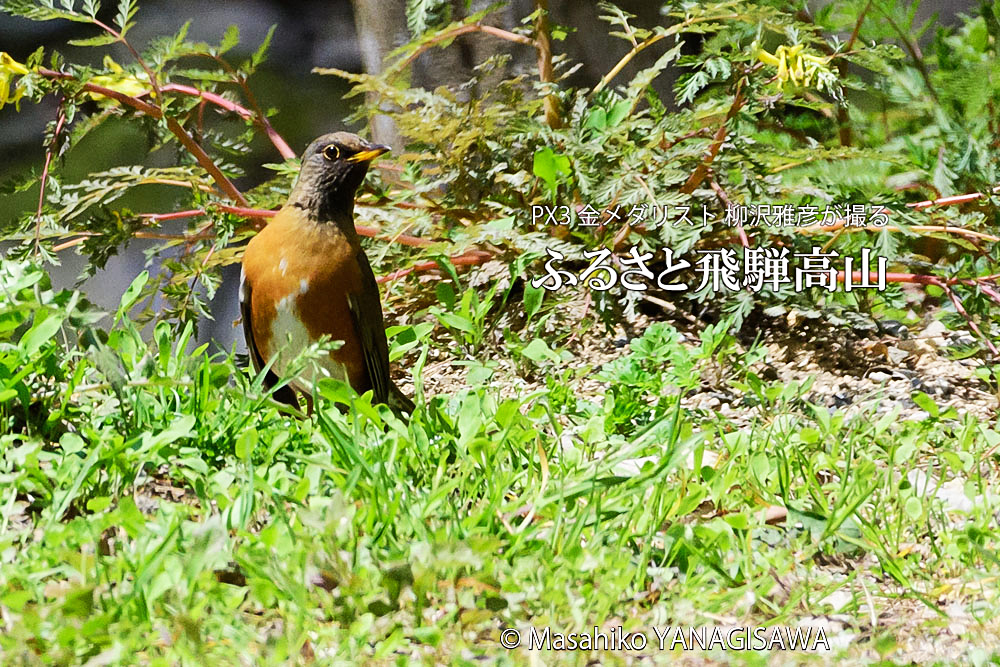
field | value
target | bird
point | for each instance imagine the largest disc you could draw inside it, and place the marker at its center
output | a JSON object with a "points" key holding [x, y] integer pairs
{"points": [[305, 275]]}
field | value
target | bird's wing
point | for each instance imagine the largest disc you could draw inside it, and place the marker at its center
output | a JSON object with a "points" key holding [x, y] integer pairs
{"points": [[284, 394], [366, 309]]}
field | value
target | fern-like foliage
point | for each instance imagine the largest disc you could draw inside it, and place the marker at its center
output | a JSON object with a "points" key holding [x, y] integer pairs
{"points": [[159, 90], [778, 142], [765, 112], [421, 15]]}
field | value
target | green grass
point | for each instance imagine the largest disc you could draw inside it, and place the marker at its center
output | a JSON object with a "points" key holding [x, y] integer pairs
{"points": [[157, 507]]}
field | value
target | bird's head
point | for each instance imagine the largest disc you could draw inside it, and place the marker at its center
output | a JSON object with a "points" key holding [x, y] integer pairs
{"points": [[332, 169]]}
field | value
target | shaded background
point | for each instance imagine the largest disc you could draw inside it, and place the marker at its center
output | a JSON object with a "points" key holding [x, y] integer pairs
{"points": [[354, 36]]}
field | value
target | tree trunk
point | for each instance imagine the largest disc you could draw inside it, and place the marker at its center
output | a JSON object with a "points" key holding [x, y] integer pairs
{"points": [[381, 26]]}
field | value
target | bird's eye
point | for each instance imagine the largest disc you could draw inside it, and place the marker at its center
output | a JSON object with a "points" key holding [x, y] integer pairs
{"points": [[331, 152]]}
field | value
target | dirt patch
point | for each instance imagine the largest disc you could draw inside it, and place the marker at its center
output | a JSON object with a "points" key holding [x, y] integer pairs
{"points": [[854, 369]]}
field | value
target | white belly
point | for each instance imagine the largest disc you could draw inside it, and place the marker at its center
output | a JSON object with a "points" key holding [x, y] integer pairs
{"points": [[290, 337]]}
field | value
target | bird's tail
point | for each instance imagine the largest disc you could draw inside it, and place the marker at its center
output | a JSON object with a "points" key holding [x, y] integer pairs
{"points": [[398, 401]]}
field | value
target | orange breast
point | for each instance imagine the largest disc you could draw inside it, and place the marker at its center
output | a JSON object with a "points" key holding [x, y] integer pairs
{"points": [[300, 273]]}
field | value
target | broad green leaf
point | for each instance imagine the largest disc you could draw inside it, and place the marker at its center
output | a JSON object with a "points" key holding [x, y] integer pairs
{"points": [[245, 444], [132, 293], [41, 333], [551, 167], [538, 351]]}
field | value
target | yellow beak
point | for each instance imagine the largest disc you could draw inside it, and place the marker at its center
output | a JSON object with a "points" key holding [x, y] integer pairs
{"points": [[368, 155]]}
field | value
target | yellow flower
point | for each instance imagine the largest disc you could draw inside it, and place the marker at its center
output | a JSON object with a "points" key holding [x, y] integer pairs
{"points": [[9, 68], [119, 81], [795, 66]]}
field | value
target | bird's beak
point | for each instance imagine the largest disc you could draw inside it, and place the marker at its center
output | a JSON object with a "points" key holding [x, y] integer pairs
{"points": [[368, 155]]}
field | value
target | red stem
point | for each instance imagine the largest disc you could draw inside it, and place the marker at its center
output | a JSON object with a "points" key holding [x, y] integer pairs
{"points": [[703, 168], [727, 203], [177, 215], [363, 230], [156, 112], [946, 201], [467, 259], [218, 100], [945, 284], [60, 120]]}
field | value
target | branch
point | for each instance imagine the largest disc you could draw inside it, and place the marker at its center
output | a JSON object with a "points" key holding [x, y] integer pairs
{"points": [[175, 128], [949, 201], [176, 215], [260, 117], [649, 41], [544, 47], [469, 258], [701, 171], [205, 161], [456, 32], [943, 283], [620, 65], [60, 120], [843, 121], [159, 236], [727, 203], [961, 310], [667, 145], [841, 225], [260, 213], [135, 54], [914, 50], [257, 119]]}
